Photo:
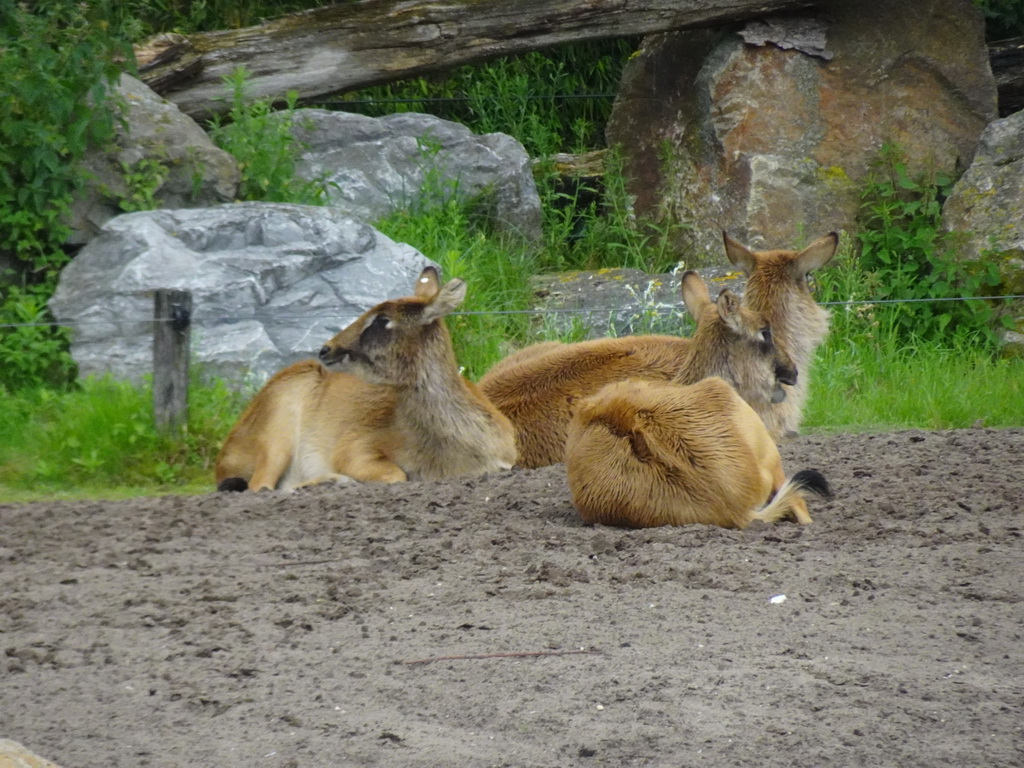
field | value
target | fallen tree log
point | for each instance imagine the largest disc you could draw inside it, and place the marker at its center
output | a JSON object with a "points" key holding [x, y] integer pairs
{"points": [[327, 51]]}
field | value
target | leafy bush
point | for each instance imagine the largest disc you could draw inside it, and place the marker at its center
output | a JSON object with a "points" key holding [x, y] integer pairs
{"points": [[260, 138], [32, 351], [588, 228], [1005, 18], [902, 257], [59, 59], [551, 101]]}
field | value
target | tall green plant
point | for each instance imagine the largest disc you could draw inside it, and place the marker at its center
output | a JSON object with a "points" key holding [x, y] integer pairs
{"points": [[59, 60], [594, 225], [552, 101], [261, 139], [103, 435], [905, 258]]}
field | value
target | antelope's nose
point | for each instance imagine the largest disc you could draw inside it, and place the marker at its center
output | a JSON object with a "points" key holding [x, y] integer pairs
{"points": [[324, 352], [785, 374]]}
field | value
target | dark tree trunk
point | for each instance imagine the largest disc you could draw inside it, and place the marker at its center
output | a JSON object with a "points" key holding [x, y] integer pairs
{"points": [[1007, 58], [339, 48]]}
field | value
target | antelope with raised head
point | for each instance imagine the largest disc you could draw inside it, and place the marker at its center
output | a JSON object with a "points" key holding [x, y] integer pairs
{"points": [[538, 386], [385, 402], [777, 287], [643, 453]]}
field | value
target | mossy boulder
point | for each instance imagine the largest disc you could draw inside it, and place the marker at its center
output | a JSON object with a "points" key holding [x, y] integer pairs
{"points": [[769, 130]]}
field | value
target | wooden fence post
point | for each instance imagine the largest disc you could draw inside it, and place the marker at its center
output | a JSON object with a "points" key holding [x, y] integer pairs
{"points": [[172, 315]]}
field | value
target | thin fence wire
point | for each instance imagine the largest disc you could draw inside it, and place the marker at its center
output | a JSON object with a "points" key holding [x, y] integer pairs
{"points": [[341, 103], [657, 308]]}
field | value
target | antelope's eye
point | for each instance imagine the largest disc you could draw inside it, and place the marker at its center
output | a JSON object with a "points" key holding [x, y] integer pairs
{"points": [[377, 327], [766, 334]]}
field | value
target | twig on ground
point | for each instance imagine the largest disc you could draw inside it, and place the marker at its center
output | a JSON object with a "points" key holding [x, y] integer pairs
{"points": [[287, 563], [510, 655]]}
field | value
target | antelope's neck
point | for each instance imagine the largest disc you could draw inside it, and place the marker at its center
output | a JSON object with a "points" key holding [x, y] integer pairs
{"points": [[437, 402]]}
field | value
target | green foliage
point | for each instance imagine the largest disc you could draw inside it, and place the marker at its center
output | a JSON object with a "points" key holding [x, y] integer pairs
{"points": [[587, 228], [260, 138], [903, 257], [1005, 18], [552, 101], [187, 16], [58, 59], [31, 349], [142, 179], [103, 435], [880, 381]]}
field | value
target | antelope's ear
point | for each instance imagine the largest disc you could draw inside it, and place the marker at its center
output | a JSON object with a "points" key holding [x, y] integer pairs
{"points": [[729, 309], [427, 284], [814, 256], [695, 293], [448, 299], [739, 255]]}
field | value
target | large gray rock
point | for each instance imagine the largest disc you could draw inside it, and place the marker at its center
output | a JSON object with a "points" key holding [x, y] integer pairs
{"points": [[270, 283], [987, 203], [986, 210], [159, 151], [375, 166], [770, 133]]}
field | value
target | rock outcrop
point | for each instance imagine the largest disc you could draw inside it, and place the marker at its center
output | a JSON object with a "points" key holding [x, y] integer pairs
{"points": [[987, 203], [158, 154], [375, 166], [770, 132], [270, 283], [985, 209]]}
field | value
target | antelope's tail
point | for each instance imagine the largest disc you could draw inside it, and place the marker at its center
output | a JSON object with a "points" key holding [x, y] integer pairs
{"points": [[782, 505]]}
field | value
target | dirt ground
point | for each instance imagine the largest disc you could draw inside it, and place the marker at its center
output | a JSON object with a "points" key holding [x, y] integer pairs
{"points": [[480, 623]]}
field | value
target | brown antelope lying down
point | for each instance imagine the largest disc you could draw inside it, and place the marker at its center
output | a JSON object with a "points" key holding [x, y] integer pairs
{"points": [[538, 386], [777, 288], [385, 403], [642, 453]]}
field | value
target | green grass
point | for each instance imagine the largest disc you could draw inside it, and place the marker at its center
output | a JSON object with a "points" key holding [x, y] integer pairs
{"points": [[871, 384], [100, 440]]}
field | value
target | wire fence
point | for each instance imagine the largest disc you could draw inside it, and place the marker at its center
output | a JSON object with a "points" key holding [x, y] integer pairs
{"points": [[339, 104], [656, 308]]}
